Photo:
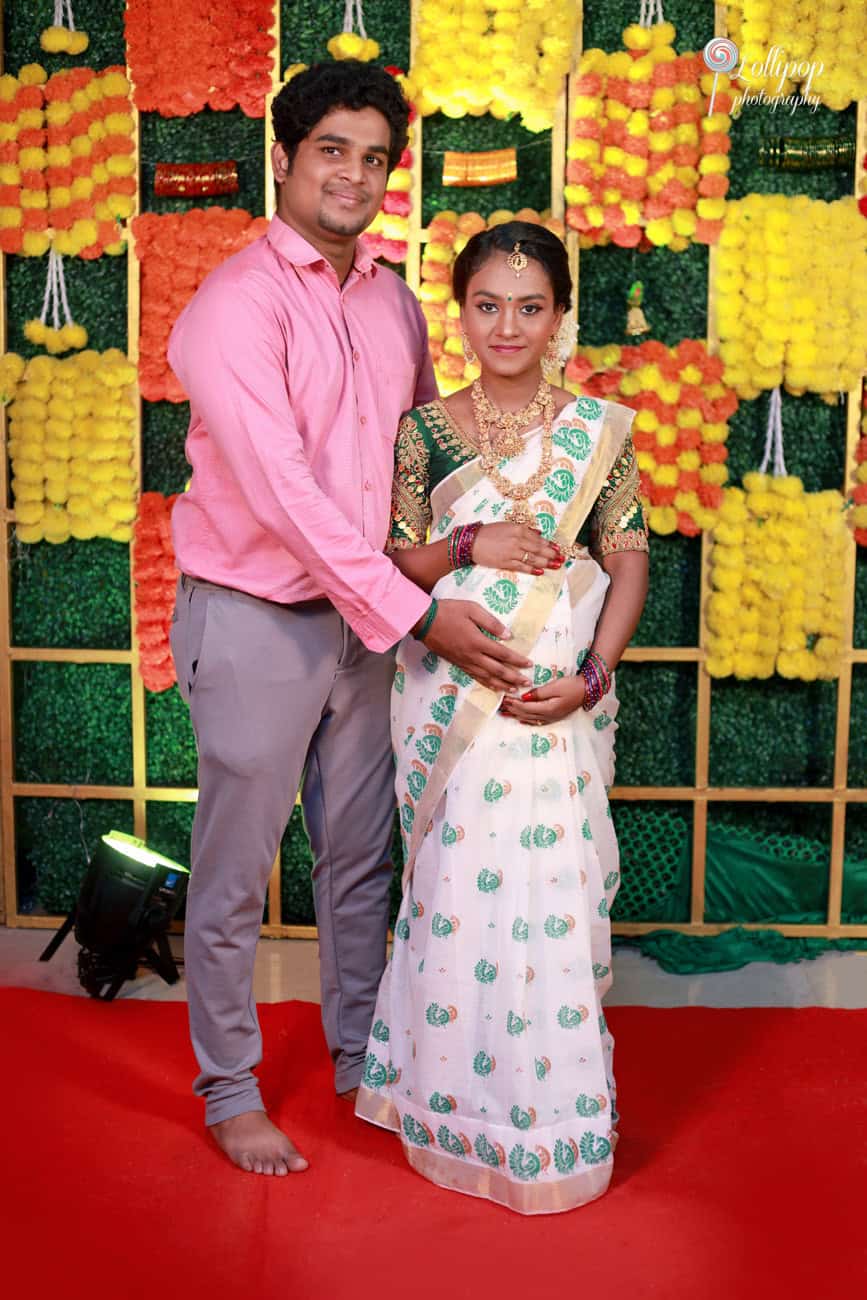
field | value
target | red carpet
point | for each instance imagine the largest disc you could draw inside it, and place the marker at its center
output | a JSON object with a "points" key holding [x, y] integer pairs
{"points": [[741, 1171]]}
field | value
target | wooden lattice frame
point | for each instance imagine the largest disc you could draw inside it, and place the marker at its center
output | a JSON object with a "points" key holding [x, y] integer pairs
{"points": [[699, 795]]}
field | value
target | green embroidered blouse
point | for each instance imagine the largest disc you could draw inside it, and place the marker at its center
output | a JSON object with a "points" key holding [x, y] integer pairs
{"points": [[430, 446]]}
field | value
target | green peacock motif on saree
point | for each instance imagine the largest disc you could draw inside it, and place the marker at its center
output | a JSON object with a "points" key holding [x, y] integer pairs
{"points": [[515, 1024], [587, 1107], [520, 930], [483, 1064], [443, 710], [416, 1133], [436, 1015], [575, 441], [570, 1017], [586, 830], [441, 1105], [401, 930], [525, 1165], [494, 791], [594, 1149], [485, 971], [458, 676], [611, 879], [486, 1152], [540, 746], [442, 926], [431, 662], [380, 1032], [565, 1156], [560, 485], [375, 1074], [501, 596], [416, 781], [587, 408], [428, 747], [488, 882], [450, 1142], [556, 927], [521, 1119]]}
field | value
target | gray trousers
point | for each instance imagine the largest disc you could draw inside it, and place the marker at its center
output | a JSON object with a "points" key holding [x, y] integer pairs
{"points": [[275, 691]]}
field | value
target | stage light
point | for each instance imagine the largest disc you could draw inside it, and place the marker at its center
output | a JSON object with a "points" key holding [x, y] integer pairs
{"points": [[128, 898]]}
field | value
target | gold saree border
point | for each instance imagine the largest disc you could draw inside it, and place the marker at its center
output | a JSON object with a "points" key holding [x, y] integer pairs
{"points": [[480, 1180], [526, 626]]}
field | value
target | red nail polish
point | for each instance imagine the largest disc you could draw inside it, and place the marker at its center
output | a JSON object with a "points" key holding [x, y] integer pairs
{"points": [[537, 572], [527, 697]]}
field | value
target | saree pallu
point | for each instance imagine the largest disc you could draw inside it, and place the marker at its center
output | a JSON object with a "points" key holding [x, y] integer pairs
{"points": [[489, 1053]]}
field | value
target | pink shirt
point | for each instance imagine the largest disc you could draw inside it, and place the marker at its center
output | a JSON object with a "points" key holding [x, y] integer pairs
{"points": [[297, 385]]}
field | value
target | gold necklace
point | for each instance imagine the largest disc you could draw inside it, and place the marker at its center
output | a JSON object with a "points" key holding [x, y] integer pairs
{"points": [[511, 422]]}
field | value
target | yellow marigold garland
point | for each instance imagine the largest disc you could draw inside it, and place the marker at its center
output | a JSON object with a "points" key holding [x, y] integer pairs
{"points": [[858, 517], [786, 46], [71, 430], [647, 165], [777, 562], [492, 56], [791, 295]]}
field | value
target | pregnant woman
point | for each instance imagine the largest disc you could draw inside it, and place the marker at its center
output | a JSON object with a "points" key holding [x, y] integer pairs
{"points": [[489, 1053]]}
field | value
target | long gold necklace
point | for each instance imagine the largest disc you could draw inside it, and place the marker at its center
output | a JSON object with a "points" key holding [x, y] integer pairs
{"points": [[511, 444]]}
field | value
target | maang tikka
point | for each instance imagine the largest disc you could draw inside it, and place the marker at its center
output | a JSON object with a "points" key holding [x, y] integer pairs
{"points": [[517, 261]]}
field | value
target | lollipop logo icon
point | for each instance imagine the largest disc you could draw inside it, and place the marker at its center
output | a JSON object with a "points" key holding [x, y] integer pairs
{"points": [[720, 55]]}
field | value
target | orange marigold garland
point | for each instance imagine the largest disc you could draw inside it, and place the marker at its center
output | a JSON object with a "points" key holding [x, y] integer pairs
{"points": [[67, 161], [202, 53], [155, 575], [177, 250], [647, 165], [681, 427]]}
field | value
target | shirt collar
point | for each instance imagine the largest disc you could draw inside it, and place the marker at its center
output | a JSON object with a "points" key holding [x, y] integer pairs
{"points": [[299, 252]]}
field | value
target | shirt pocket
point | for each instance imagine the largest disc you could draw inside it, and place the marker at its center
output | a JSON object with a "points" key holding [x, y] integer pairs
{"points": [[395, 393]]}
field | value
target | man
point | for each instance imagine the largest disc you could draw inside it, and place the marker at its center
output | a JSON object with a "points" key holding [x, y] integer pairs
{"points": [[299, 356]]}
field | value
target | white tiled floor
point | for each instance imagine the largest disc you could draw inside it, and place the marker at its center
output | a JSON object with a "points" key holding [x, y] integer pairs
{"points": [[288, 969]]}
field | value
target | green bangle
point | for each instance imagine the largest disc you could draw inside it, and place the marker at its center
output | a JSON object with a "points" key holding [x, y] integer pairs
{"points": [[427, 621]]}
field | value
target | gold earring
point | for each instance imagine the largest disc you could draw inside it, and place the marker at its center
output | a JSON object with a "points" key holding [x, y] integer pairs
{"points": [[560, 346], [551, 356], [469, 354]]}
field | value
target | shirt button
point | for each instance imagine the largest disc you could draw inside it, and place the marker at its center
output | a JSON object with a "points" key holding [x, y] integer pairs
{"points": [[356, 356], [363, 420], [368, 486]]}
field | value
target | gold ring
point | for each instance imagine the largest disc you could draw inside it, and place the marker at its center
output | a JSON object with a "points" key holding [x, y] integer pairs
{"points": [[525, 557]]}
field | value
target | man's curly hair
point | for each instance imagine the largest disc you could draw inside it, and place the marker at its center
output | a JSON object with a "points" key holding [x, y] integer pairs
{"points": [[310, 95]]}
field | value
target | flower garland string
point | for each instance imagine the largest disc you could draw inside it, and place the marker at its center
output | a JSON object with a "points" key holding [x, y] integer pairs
{"points": [[349, 44], [776, 573], [72, 426], [791, 295], [67, 161], [55, 337], [154, 575], [61, 37], [680, 429], [647, 165], [177, 250]]}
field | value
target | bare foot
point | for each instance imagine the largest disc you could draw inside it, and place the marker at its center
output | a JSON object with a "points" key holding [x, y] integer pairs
{"points": [[256, 1145], [349, 1095]]}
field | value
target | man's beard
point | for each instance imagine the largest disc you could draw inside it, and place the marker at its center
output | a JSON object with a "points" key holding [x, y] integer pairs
{"points": [[342, 225]]}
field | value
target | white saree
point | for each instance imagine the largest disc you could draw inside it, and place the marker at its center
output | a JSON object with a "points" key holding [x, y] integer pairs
{"points": [[489, 1052]]}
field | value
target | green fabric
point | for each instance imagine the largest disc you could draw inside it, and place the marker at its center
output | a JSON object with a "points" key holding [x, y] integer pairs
{"points": [[699, 954]]}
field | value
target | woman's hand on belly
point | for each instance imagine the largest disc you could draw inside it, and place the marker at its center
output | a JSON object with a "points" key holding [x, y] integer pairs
{"points": [[545, 704]]}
